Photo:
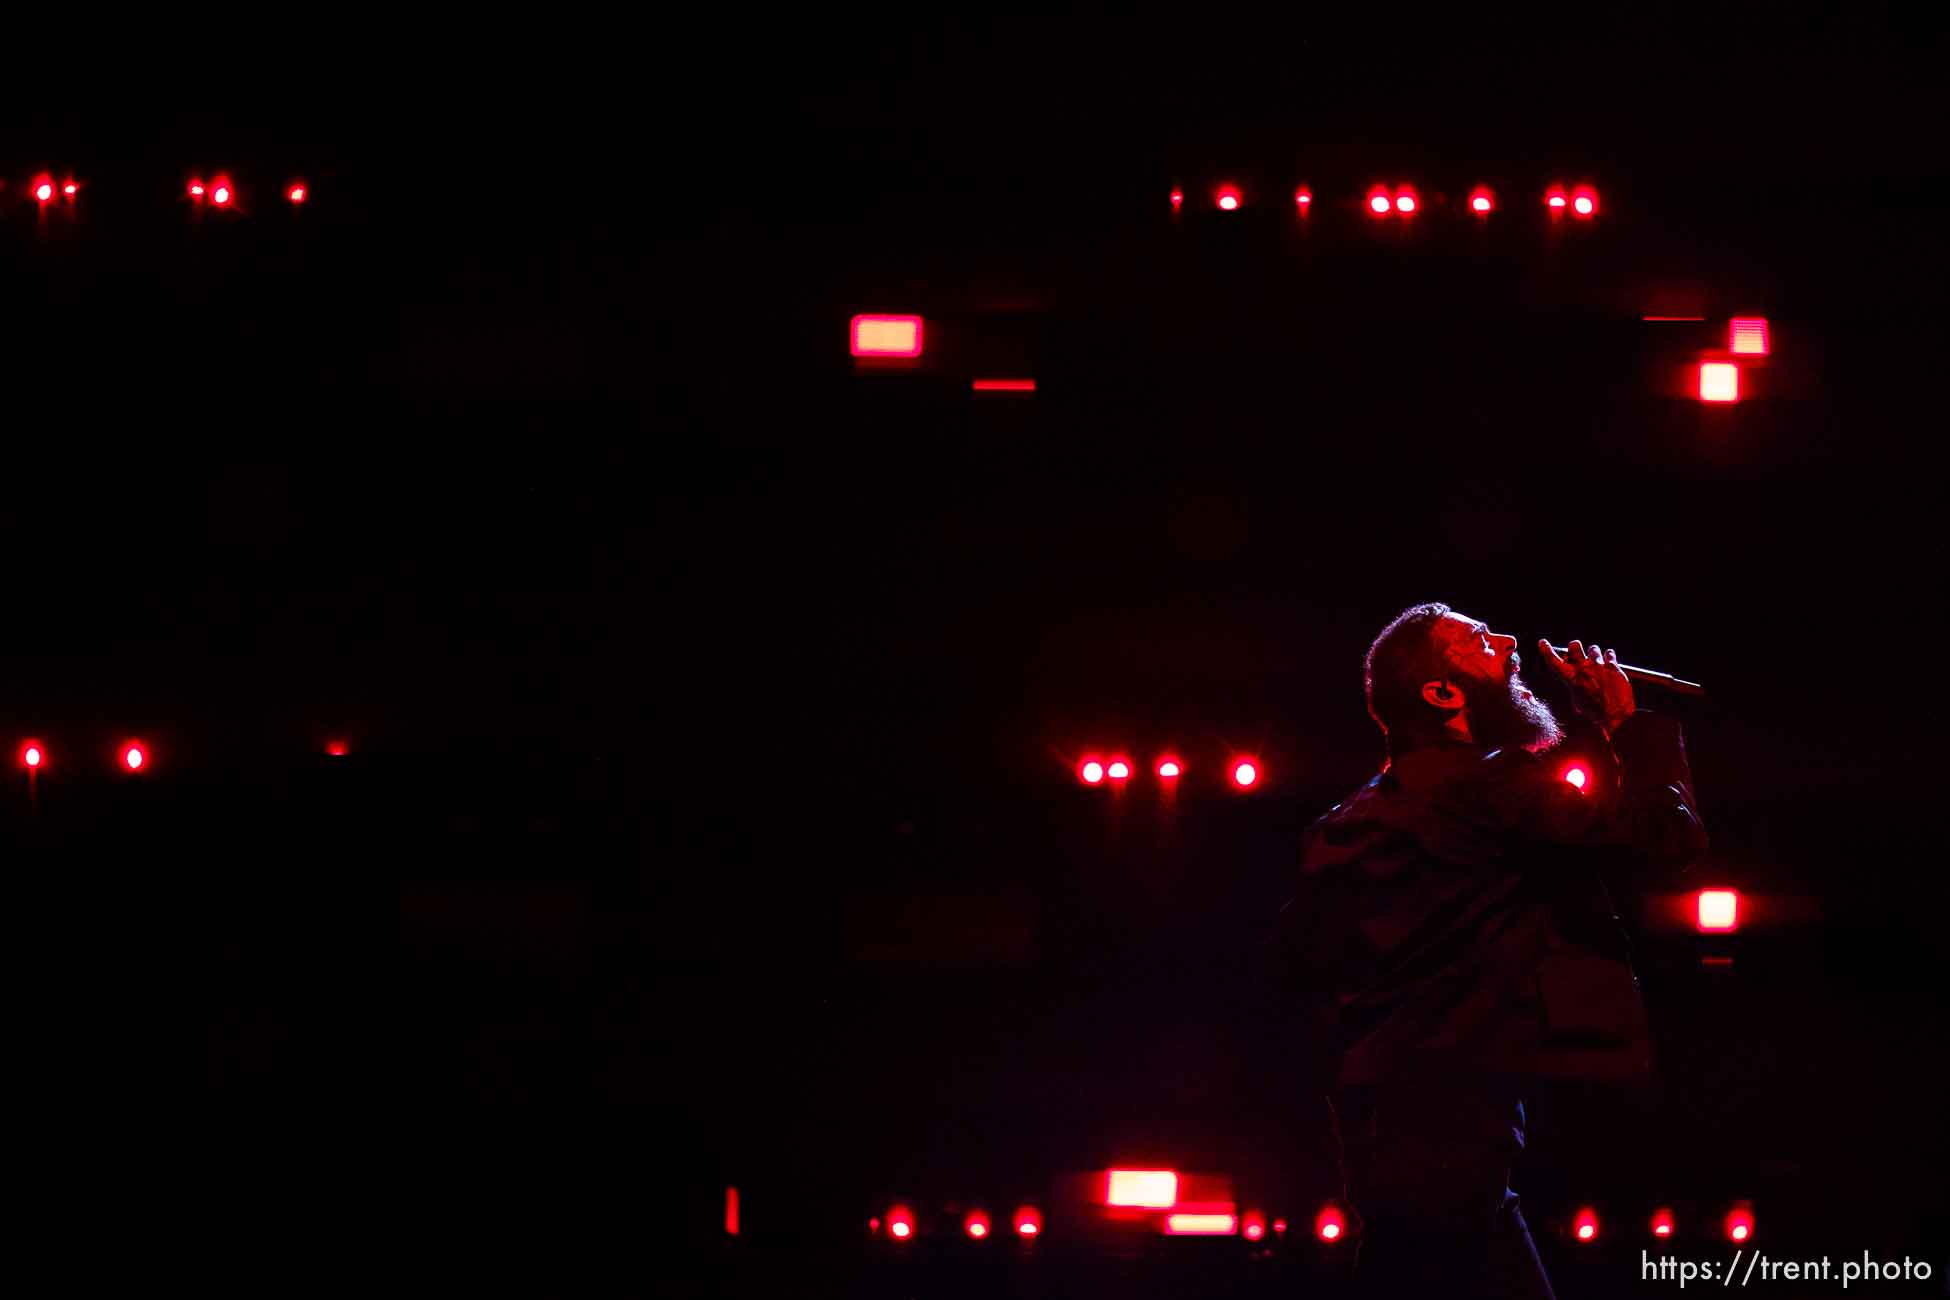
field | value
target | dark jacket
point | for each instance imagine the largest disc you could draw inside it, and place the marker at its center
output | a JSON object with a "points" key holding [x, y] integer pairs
{"points": [[1454, 912]]}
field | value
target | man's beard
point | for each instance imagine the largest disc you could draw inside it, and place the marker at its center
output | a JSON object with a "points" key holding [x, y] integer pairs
{"points": [[1514, 717]]}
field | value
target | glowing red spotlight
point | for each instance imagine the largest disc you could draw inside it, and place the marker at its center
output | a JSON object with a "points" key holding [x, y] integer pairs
{"points": [[731, 1211], [1740, 1224], [31, 756], [1479, 204], [1303, 199], [70, 189], [1719, 911], [1177, 199], [1719, 381], [886, 336], [900, 1223], [1481, 200], [1245, 773], [1329, 1225], [337, 748], [1228, 197], [1091, 772], [1662, 1223], [1118, 770], [1575, 776], [1029, 1221], [1585, 203], [1404, 203], [1586, 1226], [1168, 768], [1378, 202], [976, 1224], [1155, 1189], [1214, 1223], [1555, 200], [44, 191], [296, 193], [221, 195], [196, 189], [1279, 1226], [134, 756], [1253, 1226], [1747, 336]]}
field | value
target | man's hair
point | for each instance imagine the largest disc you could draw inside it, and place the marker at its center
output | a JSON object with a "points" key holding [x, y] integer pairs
{"points": [[1401, 659]]}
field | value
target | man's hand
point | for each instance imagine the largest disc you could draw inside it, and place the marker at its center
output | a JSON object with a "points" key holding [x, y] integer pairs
{"points": [[1599, 687]]}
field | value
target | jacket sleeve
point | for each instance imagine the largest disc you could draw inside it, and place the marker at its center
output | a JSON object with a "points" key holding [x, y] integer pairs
{"points": [[1638, 806]]}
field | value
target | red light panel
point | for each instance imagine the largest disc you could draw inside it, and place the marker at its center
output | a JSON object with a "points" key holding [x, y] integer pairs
{"points": [[1329, 1224], [1719, 381], [337, 748], [1575, 776], [1091, 772], [1719, 911], [976, 1224], [900, 1223], [1245, 773], [1747, 336], [1155, 1189], [1586, 1226], [1029, 1221], [1005, 385], [886, 336], [1201, 1225], [731, 1211]]}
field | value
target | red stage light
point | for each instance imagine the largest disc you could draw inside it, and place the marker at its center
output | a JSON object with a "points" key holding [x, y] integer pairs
{"points": [[731, 1211], [44, 191], [1719, 381], [1719, 910], [1586, 1226], [1481, 200], [336, 748], [1028, 1221], [196, 189], [1329, 1225], [1212, 1224], [1404, 203], [1378, 202], [1585, 202], [31, 756], [1575, 776], [900, 1223], [1554, 200], [1747, 336], [1279, 1226], [1228, 198], [134, 756], [1169, 768], [1252, 1226], [1740, 1225], [1005, 385], [1118, 770], [1303, 199], [70, 189], [1662, 1223], [220, 195], [1155, 1189], [296, 193], [1091, 772], [1245, 773], [976, 1224], [1177, 199], [886, 336]]}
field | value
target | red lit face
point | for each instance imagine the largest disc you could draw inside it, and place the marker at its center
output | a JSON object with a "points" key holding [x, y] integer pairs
{"points": [[1475, 651], [1497, 707]]}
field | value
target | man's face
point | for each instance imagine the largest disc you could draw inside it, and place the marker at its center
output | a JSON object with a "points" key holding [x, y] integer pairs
{"points": [[1502, 711]]}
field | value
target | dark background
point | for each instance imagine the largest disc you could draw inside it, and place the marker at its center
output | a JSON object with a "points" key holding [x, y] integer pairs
{"points": [[713, 705]]}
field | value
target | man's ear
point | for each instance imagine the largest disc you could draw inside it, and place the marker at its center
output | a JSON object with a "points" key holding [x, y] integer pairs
{"points": [[1444, 696]]}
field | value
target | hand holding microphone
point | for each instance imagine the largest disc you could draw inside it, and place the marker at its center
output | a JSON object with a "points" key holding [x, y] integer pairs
{"points": [[1599, 687]]}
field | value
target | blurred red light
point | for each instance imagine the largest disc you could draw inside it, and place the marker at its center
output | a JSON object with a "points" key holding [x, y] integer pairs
{"points": [[296, 193], [44, 191], [1585, 202], [1587, 1224], [1747, 336], [900, 1223], [31, 756], [1169, 768], [1244, 773], [1091, 772], [134, 756], [1378, 203], [1228, 198], [1740, 1225], [1279, 1225], [899, 1228], [1177, 198], [1554, 199], [336, 748], [1576, 777], [1303, 198], [220, 195], [1662, 1223], [731, 1211], [1004, 385], [977, 1224], [1118, 770], [196, 189], [1253, 1225], [1328, 1224], [1481, 199], [70, 189], [1404, 203], [1719, 910], [1155, 1189], [1201, 1225], [1028, 1220], [886, 336], [1479, 204], [1719, 381]]}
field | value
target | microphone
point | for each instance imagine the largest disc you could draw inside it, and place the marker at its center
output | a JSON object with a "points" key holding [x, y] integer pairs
{"points": [[1666, 680]]}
